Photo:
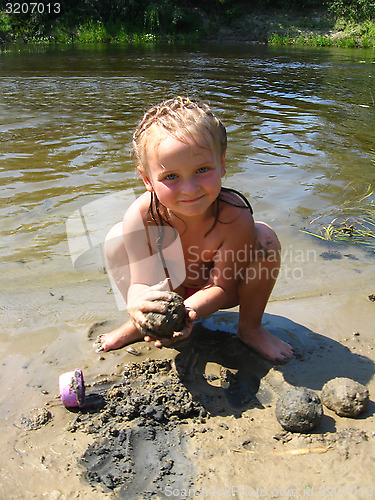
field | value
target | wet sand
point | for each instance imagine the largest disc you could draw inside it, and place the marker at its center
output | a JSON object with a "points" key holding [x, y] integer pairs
{"points": [[227, 442]]}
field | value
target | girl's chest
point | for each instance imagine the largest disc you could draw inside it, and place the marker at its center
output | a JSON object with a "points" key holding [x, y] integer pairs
{"points": [[199, 248]]}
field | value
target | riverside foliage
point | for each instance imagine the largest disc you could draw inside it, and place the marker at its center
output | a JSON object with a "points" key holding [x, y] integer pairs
{"points": [[150, 20]]}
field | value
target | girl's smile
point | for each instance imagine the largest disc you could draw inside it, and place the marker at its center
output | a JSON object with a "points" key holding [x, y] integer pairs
{"points": [[185, 176], [191, 201]]}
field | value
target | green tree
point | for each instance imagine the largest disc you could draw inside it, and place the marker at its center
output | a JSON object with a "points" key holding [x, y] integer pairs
{"points": [[355, 10]]}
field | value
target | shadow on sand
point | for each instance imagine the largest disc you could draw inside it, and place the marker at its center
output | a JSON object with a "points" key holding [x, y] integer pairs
{"points": [[138, 453], [227, 377]]}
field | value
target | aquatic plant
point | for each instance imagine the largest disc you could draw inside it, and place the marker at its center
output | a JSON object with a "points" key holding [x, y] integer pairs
{"points": [[353, 224]]}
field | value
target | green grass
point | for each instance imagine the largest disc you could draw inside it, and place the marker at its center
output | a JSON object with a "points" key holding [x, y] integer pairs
{"points": [[354, 225], [94, 32], [344, 34], [91, 32]]}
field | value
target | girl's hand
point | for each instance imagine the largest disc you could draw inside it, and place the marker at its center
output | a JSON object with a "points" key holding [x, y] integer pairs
{"points": [[183, 334], [146, 302]]}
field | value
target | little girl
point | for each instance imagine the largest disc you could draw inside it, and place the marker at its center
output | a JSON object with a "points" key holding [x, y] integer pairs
{"points": [[228, 260]]}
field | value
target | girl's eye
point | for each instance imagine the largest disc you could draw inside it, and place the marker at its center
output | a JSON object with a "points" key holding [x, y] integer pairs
{"points": [[171, 177], [202, 170]]}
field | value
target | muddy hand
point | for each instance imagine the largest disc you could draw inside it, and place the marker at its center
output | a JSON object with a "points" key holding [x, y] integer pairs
{"points": [[177, 336], [154, 299]]}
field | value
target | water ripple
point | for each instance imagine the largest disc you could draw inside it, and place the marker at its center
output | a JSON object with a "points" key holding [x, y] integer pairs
{"points": [[66, 122]]}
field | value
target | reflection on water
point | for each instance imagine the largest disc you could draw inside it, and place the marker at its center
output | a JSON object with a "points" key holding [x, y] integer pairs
{"points": [[300, 126]]}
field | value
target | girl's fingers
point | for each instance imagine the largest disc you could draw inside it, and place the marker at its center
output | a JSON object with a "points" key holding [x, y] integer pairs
{"points": [[164, 342], [153, 294], [139, 320], [149, 338], [138, 310], [156, 300], [163, 285], [147, 306], [191, 315], [185, 332], [153, 306], [171, 340]]}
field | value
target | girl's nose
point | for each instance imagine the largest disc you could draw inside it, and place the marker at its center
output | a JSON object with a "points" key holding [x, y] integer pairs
{"points": [[190, 186]]}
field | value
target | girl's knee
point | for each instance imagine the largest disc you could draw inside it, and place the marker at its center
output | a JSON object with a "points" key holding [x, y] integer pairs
{"points": [[267, 244], [114, 249]]}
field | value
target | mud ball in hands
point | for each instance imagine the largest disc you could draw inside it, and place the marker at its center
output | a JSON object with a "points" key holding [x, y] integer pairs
{"points": [[299, 409], [346, 397], [165, 324]]}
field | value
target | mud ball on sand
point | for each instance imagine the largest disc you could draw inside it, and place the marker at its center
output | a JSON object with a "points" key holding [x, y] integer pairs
{"points": [[346, 397], [299, 409], [164, 324], [36, 418]]}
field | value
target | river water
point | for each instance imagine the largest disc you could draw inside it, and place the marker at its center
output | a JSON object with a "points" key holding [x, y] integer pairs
{"points": [[301, 127]]}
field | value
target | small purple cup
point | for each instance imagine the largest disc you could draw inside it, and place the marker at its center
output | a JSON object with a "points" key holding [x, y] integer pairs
{"points": [[72, 389]]}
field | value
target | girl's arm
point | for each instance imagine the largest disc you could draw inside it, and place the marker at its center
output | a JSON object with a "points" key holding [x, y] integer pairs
{"points": [[208, 300], [231, 265], [143, 280]]}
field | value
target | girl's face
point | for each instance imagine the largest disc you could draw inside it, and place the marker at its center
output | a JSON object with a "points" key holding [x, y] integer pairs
{"points": [[186, 177]]}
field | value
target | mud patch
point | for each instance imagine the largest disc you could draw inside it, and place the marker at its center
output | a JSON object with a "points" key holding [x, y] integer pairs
{"points": [[139, 460], [78, 388], [139, 447], [35, 419]]}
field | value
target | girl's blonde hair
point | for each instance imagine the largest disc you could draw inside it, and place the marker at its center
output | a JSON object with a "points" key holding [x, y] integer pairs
{"points": [[183, 119]]}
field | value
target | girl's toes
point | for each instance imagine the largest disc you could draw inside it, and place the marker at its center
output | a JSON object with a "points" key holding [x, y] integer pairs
{"points": [[98, 345]]}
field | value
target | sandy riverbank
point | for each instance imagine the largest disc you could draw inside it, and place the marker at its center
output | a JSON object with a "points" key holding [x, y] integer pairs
{"points": [[235, 445]]}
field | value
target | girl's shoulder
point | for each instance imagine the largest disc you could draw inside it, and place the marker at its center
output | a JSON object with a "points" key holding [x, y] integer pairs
{"points": [[138, 210], [234, 206]]}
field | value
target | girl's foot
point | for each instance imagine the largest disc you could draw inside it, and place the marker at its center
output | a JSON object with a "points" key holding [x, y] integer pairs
{"points": [[121, 336], [266, 344]]}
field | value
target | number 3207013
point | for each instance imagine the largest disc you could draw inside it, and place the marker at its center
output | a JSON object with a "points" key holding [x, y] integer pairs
{"points": [[32, 7]]}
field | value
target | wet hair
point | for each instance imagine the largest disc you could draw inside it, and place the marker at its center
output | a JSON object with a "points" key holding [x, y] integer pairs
{"points": [[185, 120]]}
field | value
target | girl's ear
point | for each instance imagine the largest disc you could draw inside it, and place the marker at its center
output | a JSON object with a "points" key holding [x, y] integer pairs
{"points": [[146, 181]]}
